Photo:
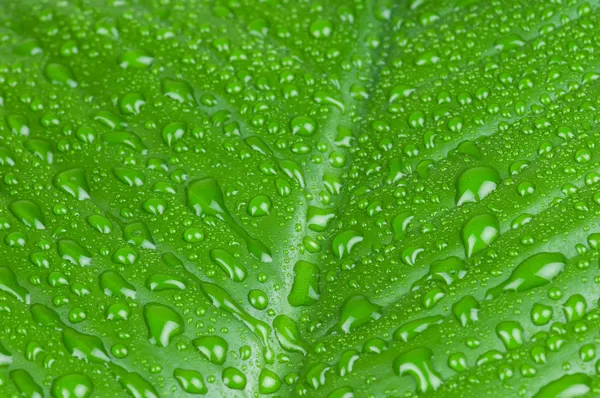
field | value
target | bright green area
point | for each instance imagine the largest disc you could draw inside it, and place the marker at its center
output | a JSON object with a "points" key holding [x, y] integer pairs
{"points": [[286, 198]]}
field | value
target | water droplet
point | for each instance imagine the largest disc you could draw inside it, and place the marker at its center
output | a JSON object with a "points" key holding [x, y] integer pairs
{"points": [[18, 125], [575, 308], [318, 219], [418, 363], [178, 90], [74, 253], [288, 335], [84, 347], [259, 206], [74, 183], [137, 234], [570, 385], [466, 310], [114, 285], [190, 381], [132, 103], [173, 133], [28, 212], [268, 382], [305, 288], [204, 196], [541, 314], [321, 29], [60, 74], [161, 282], [229, 264], [40, 148], [411, 329], [356, 311], [234, 378], [135, 59], [9, 284], [222, 300], [537, 270], [25, 384], [214, 348], [344, 242], [476, 183], [163, 323], [511, 334], [303, 125], [479, 233], [130, 177], [76, 385]]}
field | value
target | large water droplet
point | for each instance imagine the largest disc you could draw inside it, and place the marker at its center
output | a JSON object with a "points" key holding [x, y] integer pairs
{"points": [[476, 183], [28, 212], [163, 323], [537, 270], [356, 311], [418, 363], [479, 233], [214, 348]]}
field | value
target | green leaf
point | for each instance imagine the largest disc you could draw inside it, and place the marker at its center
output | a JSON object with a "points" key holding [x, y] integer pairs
{"points": [[283, 198]]}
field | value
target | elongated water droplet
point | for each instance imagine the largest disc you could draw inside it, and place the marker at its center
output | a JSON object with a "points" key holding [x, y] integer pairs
{"points": [[28, 212], [25, 384], [130, 177], [60, 74], [229, 264], [447, 270], [74, 253], [84, 346], [288, 335], [135, 59], [132, 103], [135, 385], [222, 300], [305, 288], [114, 285], [5, 357], [411, 329], [204, 196], [161, 282], [9, 284], [537, 270], [139, 235], [573, 385], [125, 138], [74, 183], [318, 219], [18, 125], [100, 223], [163, 323], [40, 148]]}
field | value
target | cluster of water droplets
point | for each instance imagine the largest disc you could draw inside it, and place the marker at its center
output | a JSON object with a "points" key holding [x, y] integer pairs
{"points": [[313, 199]]}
